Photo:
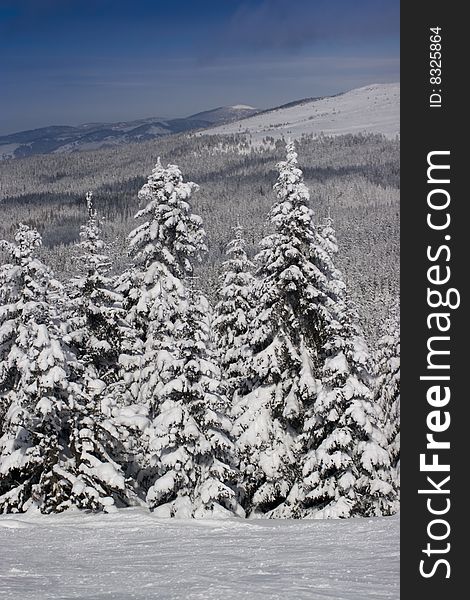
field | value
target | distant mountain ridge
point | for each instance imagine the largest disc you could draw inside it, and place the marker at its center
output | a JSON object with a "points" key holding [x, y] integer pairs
{"points": [[90, 136], [374, 109]]}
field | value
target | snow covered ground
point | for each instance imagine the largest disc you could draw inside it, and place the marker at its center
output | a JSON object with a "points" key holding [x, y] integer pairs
{"points": [[374, 108], [131, 554]]}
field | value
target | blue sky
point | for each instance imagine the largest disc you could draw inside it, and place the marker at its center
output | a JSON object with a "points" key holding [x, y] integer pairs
{"points": [[75, 61]]}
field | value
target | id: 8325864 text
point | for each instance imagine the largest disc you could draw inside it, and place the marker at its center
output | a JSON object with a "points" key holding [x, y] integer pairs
{"points": [[435, 67]]}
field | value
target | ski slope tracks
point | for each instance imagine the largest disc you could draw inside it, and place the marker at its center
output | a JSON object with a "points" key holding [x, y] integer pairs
{"points": [[372, 109], [131, 554]]}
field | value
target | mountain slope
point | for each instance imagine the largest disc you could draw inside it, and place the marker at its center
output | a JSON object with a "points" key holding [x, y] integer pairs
{"points": [[374, 108]]}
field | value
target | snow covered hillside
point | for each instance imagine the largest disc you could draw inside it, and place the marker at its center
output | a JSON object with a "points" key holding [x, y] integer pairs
{"points": [[374, 108], [131, 554]]}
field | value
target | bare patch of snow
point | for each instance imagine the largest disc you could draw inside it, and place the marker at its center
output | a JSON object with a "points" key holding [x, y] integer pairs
{"points": [[242, 107]]}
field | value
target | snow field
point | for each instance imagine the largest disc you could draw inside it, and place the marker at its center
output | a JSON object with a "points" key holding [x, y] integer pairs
{"points": [[373, 108], [131, 554]]}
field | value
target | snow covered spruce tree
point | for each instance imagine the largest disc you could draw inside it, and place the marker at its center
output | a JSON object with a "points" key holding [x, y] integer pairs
{"points": [[193, 452], [99, 329], [99, 335], [162, 249], [232, 314], [388, 390], [346, 467], [285, 333], [46, 455], [187, 468], [33, 379]]}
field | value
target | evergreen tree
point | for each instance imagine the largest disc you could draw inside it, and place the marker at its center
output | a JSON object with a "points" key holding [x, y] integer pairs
{"points": [[47, 450], [24, 284], [346, 467], [34, 367], [193, 454], [291, 308], [102, 338], [388, 390], [188, 463], [99, 330], [163, 249], [233, 314]]}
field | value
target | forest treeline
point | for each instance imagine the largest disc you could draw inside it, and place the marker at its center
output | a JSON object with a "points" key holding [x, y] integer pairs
{"points": [[354, 178]]}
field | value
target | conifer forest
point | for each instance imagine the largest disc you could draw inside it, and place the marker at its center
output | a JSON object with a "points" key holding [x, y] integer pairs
{"points": [[223, 348]]}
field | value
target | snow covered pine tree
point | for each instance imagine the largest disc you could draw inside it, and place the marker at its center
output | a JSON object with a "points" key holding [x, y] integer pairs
{"points": [[284, 335], [346, 466], [162, 249], [44, 458], [99, 334], [34, 369], [188, 468], [95, 311], [193, 450]]}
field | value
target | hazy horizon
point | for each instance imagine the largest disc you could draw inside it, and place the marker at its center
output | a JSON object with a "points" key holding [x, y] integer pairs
{"points": [[166, 117]]}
